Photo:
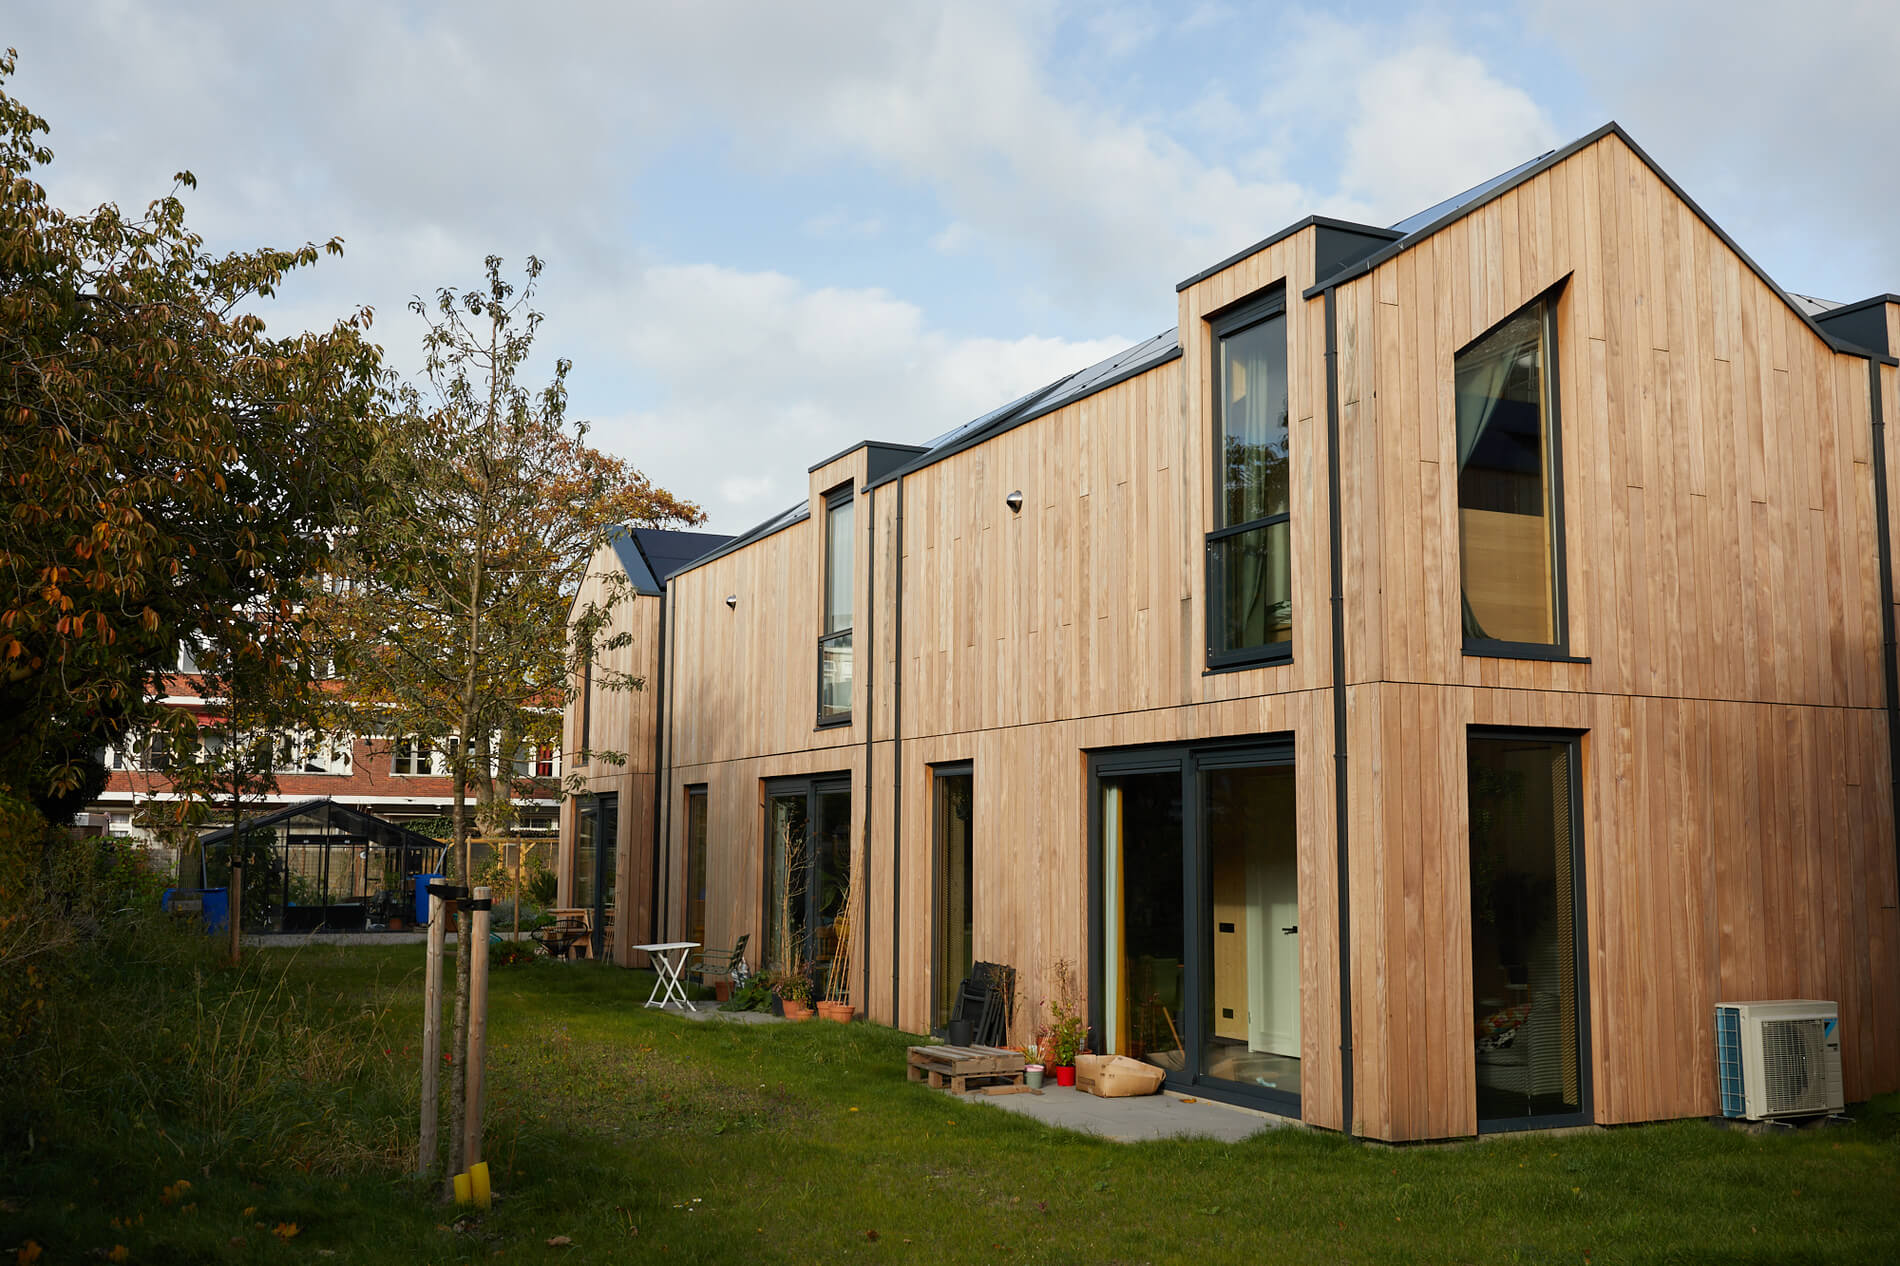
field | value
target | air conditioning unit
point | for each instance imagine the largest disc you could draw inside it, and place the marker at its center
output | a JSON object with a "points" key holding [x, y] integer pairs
{"points": [[1778, 1059]]}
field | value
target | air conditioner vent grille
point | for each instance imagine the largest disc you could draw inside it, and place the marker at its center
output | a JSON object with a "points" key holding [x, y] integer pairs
{"points": [[1791, 1065]]}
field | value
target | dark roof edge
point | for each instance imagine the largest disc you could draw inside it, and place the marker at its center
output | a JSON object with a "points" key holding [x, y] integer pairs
{"points": [[1311, 221], [1031, 409], [1459, 212], [663, 577], [757, 532], [881, 444], [1612, 128], [1845, 309]]}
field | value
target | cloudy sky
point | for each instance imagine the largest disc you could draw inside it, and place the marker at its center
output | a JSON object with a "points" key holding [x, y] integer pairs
{"points": [[772, 230]]}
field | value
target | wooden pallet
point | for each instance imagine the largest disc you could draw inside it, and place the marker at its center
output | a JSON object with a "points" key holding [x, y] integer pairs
{"points": [[961, 1069]]}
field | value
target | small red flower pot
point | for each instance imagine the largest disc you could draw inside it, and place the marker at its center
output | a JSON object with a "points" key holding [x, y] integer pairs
{"points": [[1065, 1074]]}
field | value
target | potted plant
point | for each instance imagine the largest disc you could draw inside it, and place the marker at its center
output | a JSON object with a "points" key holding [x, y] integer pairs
{"points": [[793, 989], [1033, 1067], [1068, 1031]]}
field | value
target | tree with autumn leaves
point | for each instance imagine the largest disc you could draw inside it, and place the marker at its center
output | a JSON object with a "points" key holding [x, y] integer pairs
{"points": [[450, 626], [169, 471]]}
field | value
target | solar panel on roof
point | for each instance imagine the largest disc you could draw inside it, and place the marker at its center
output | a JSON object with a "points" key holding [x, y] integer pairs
{"points": [[1439, 210]]}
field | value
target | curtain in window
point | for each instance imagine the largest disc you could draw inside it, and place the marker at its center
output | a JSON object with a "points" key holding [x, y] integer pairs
{"points": [[1254, 445], [1483, 376]]}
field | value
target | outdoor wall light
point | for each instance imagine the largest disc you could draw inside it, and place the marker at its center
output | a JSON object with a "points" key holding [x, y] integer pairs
{"points": [[1015, 502], [732, 600]]}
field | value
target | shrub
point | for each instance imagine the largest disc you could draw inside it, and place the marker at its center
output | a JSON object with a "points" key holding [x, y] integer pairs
{"points": [[508, 953]]}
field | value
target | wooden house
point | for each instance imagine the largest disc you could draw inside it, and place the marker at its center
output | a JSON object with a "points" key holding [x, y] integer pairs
{"points": [[1414, 691]]}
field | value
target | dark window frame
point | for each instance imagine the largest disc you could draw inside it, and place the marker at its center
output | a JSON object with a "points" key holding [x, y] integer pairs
{"points": [[1190, 759], [1222, 325], [1580, 927], [703, 793], [842, 495], [811, 787], [948, 769], [1557, 651]]}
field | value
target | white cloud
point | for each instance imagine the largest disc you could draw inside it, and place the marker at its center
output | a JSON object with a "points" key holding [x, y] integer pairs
{"points": [[797, 373], [1779, 118], [1432, 122]]}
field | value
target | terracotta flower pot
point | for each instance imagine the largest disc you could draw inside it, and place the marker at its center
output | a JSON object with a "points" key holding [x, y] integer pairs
{"points": [[722, 991], [1065, 1074], [796, 1010], [838, 1012]]}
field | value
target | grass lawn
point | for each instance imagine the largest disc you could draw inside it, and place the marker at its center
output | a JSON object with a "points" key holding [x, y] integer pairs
{"points": [[643, 1137]]}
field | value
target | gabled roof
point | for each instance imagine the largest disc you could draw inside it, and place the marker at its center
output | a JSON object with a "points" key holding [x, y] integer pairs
{"points": [[329, 813], [1429, 221]]}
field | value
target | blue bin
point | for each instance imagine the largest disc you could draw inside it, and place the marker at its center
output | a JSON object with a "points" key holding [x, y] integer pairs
{"points": [[424, 907], [213, 904]]}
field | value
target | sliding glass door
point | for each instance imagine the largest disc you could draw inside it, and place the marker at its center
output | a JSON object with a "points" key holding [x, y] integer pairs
{"points": [[596, 863], [807, 870], [1197, 925]]}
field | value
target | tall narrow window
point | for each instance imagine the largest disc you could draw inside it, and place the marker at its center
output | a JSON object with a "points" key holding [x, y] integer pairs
{"points": [[834, 642], [953, 921], [1249, 552], [696, 864], [1530, 1022], [1510, 549], [587, 702]]}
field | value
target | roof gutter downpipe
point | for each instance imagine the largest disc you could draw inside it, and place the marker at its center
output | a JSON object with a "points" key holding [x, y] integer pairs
{"points": [[1335, 540], [897, 754], [662, 797], [870, 733], [1884, 537]]}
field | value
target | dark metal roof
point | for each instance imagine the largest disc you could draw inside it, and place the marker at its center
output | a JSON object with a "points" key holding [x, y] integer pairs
{"points": [[1863, 324], [1320, 221], [666, 550], [650, 555], [1457, 202], [326, 812], [882, 452]]}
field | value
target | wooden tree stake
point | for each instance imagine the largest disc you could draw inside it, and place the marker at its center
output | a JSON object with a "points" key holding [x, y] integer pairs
{"points": [[477, 950], [432, 1037]]}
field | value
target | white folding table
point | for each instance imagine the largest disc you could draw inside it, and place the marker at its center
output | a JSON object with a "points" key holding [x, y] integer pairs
{"points": [[669, 960]]}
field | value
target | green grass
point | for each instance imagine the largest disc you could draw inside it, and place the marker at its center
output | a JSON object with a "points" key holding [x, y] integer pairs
{"points": [[644, 1137]]}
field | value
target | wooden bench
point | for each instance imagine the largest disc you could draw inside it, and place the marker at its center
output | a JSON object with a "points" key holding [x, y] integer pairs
{"points": [[961, 1069]]}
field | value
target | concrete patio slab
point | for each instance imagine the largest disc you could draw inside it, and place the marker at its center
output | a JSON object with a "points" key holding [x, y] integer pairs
{"points": [[1163, 1116]]}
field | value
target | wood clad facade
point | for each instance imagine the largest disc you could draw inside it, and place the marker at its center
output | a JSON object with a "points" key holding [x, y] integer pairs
{"points": [[1725, 672], [622, 721]]}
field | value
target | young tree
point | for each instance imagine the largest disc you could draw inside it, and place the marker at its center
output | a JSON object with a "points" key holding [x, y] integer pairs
{"points": [[449, 631], [163, 462]]}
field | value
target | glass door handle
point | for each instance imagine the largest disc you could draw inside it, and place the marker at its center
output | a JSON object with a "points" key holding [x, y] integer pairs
{"points": [[1290, 931]]}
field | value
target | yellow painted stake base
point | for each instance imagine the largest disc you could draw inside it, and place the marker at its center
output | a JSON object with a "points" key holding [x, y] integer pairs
{"points": [[472, 1187]]}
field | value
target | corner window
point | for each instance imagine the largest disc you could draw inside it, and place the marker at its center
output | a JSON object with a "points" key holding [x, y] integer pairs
{"points": [[1249, 552], [1510, 538], [834, 640]]}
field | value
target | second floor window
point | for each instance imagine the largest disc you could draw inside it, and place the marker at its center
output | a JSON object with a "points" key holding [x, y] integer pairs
{"points": [[834, 639], [412, 757], [1510, 548], [1249, 552]]}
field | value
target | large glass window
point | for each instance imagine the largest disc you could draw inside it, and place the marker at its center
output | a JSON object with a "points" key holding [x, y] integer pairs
{"points": [[1509, 546], [1527, 922], [807, 871], [834, 643], [953, 919], [1200, 951], [1249, 552]]}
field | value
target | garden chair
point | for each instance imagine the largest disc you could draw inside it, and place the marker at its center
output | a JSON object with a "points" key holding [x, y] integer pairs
{"points": [[729, 963]]}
